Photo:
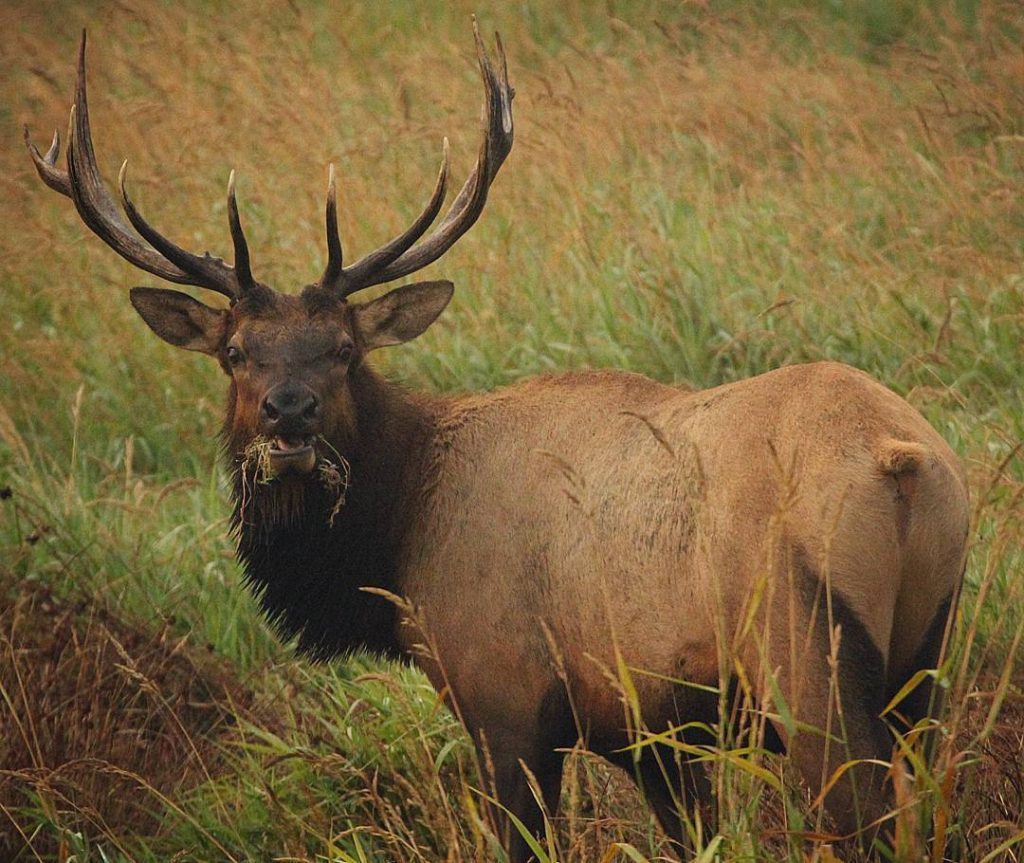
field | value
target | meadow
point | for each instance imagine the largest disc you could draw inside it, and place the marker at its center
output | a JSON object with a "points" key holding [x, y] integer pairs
{"points": [[698, 191]]}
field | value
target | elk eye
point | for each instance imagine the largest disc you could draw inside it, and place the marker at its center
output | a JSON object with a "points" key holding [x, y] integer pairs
{"points": [[234, 355], [345, 353]]}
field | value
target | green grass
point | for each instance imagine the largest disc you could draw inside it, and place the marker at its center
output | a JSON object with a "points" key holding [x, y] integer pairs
{"points": [[696, 193]]}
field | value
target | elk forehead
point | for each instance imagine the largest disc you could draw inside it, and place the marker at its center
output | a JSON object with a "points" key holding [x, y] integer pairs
{"points": [[288, 331]]}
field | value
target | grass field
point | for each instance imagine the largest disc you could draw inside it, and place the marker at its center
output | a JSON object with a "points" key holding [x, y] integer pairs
{"points": [[698, 191]]}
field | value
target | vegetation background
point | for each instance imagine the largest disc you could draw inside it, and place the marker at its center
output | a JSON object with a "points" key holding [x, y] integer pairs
{"points": [[698, 191]]}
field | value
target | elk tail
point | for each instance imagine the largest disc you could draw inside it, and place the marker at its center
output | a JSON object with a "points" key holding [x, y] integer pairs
{"points": [[902, 461]]}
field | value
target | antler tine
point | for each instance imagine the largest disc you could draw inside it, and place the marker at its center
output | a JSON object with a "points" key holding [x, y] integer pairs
{"points": [[204, 272], [469, 203], [83, 183], [333, 270], [46, 166], [242, 270], [100, 211], [361, 274]]}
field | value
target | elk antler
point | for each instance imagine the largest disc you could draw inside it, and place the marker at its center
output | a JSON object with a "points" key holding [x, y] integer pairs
{"points": [[401, 256], [84, 185], [158, 255]]}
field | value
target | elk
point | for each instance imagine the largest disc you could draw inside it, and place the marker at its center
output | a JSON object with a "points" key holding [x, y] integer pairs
{"points": [[591, 557]]}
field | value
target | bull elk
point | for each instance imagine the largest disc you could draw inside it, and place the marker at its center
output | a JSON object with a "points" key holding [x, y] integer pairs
{"points": [[591, 556]]}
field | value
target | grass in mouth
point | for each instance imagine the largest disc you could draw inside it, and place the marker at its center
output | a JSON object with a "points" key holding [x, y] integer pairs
{"points": [[335, 478], [257, 469], [255, 464]]}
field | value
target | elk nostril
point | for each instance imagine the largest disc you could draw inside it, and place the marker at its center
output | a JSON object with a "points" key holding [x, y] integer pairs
{"points": [[269, 411], [312, 409]]}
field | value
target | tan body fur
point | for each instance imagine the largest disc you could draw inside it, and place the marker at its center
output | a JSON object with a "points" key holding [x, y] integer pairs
{"points": [[611, 516]]}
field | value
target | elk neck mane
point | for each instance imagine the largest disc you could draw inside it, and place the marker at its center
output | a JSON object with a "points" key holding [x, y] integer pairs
{"points": [[308, 566]]}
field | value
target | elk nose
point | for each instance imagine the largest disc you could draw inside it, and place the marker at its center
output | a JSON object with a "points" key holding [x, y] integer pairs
{"points": [[290, 407]]}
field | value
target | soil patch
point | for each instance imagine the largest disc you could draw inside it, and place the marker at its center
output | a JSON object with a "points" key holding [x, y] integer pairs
{"points": [[98, 719]]}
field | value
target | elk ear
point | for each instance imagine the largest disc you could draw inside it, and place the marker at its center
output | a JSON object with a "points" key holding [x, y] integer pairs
{"points": [[181, 320], [401, 314]]}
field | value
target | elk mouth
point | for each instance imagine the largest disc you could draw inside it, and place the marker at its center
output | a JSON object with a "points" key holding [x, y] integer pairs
{"points": [[291, 455], [275, 472]]}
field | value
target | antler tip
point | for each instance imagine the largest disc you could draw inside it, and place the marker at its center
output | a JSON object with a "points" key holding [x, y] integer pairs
{"points": [[477, 37], [32, 148], [442, 174], [501, 51], [122, 178], [81, 54], [242, 269]]}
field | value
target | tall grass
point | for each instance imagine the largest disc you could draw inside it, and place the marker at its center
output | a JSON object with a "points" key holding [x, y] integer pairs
{"points": [[699, 192]]}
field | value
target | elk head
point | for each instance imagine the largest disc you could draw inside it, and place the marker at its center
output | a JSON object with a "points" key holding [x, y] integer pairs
{"points": [[290, 357]]}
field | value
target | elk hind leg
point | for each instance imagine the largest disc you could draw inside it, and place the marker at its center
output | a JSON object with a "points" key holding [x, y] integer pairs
{"points": [[925, 700], [838, 693]]}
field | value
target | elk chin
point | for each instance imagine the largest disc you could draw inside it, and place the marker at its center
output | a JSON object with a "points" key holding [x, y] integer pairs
{"points": [[281, 482]]}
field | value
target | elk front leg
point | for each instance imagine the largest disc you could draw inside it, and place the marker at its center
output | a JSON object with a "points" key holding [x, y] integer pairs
{"points": [[509, 762]]}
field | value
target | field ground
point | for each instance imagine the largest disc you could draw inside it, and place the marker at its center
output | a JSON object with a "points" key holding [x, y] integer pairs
{"points": [[698, 191]]}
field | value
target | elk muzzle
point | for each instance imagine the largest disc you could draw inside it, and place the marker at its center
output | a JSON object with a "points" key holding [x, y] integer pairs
{"points": [[290, 416]]}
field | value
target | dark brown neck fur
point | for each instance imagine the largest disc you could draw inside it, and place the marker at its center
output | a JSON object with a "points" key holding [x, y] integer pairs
{"points": [[306, 571]]}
